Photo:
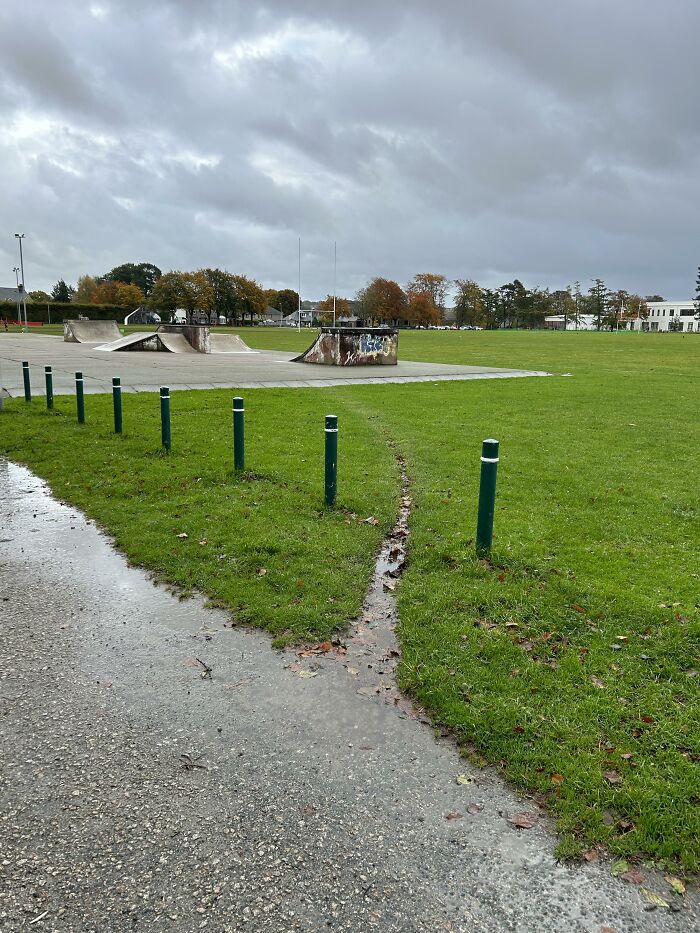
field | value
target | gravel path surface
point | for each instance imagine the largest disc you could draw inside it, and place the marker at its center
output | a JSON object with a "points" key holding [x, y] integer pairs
{"points": [[141, 793]]}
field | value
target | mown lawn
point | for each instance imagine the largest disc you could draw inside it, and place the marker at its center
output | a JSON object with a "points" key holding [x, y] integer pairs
{"points": [[569, 661]]}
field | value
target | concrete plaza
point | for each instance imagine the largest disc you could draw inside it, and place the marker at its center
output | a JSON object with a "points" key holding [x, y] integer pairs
{"points": [[146, 371]]}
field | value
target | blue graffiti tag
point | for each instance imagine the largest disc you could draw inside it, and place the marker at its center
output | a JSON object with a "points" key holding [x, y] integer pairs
{"points": [[371, 343]]}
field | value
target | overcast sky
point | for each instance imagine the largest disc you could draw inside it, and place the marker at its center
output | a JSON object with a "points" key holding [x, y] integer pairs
{"points": [[549, 140]]}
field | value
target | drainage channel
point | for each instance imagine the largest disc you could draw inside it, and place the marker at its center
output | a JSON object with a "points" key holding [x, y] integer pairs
{"points": [[370, 652]]}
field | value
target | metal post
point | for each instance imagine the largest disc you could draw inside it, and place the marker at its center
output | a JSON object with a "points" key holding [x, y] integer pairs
{"points": [[165, 416], [487, 497], [80, 397], [27, 383], [117, 399], [331, 458], [238, 434], [49, 386]]}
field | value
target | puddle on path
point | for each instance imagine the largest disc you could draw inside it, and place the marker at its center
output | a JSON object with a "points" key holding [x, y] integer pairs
{"points": [[370, 652]]}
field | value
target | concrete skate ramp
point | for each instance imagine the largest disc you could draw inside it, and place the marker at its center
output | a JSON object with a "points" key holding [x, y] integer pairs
{"points": [[175, 343], [353, 346], [228, 343], [90, 331], [131, 342]]}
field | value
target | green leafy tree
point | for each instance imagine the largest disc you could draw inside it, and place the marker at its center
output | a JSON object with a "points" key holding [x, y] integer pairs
{"points": [[224, 290], [286, 301], [249, 299], [61, 291], [469, 303], [143, 274], [38, 296], [188, 291]]}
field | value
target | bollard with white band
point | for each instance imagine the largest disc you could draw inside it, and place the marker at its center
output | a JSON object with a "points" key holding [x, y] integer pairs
{"points": [[331, 458], [117, 402], [238, 433], [80, 397], [165, 417], [487, 497], [48, 375], [27, 382]]}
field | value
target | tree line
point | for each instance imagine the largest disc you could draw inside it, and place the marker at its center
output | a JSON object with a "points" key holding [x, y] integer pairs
{"points": [[212, 292], [421, 302]]}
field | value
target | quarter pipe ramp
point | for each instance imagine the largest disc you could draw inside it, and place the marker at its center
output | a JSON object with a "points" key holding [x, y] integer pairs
{"points": [[90, 331], [351, 346]]}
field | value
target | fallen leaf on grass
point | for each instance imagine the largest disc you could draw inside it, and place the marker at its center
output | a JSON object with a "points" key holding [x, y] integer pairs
{"points": [[464, 779], [612, 777], [578, 608], [474, 808], [633, 876], [524, 820], [371, 520], [183, 535], [676, 884], [557, 779], [654, 900], [597, 682], [453, 815], [203, 541], [591, 855], [261, 571]]}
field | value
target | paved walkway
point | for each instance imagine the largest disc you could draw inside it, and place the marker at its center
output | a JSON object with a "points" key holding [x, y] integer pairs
{"points": [[139, 794], [145, 372]]}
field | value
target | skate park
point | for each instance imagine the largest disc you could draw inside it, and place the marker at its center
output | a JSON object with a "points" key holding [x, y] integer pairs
{"points": [[235, 366]]}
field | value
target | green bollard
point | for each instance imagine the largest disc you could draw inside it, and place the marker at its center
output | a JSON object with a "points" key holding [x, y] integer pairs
{"points": [[331, 458], [238, 434], [165, 416], [27, 383], [117, 399], [49, 387], [487, 497], [80, 397]]}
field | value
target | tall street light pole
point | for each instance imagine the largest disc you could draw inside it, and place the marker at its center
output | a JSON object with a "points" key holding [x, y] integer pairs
{"points": [[15, 269], [20, 237]]}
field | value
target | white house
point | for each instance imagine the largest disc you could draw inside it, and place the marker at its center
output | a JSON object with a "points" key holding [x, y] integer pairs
{"points": [[672, 315]]}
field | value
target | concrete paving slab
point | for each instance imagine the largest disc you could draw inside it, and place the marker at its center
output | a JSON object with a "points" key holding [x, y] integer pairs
{"points": [[143, 795], [147, 371]]}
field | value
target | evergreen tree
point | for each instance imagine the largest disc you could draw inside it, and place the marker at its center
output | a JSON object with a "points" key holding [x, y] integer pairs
{"points": [[61, 291]]}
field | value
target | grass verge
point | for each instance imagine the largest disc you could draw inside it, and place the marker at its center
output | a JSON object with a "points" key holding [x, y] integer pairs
{"points": [[569, 661]]}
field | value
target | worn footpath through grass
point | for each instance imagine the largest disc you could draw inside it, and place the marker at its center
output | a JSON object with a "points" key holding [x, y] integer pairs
{"points": [[569, 661]]}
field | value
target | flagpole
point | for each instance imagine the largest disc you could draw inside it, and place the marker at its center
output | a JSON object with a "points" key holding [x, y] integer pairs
{"points": [[335, 276], [299, 293]]}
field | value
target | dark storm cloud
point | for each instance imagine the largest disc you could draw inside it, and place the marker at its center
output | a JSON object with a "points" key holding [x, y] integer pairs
{"points": [[549, 141]]}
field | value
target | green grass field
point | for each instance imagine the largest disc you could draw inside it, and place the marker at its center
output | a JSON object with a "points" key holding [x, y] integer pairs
{"points": [[570, 661]]}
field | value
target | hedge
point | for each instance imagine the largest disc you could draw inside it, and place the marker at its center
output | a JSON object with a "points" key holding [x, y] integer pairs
{"points": [[62, 311]]}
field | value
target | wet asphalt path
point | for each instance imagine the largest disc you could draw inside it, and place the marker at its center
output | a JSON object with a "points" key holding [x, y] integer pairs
{"points": [[138, 794]]}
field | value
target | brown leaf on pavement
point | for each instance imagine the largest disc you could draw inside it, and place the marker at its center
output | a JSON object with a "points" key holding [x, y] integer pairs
{"points": [[474, 808], [633, 876], [524, 820], [453, 815]]}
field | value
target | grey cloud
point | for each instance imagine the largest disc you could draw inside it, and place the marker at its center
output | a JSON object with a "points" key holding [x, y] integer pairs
{"points": [[547, 141]]}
